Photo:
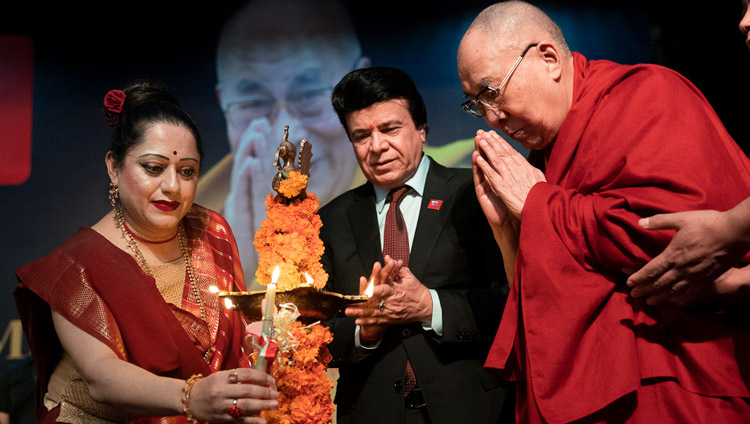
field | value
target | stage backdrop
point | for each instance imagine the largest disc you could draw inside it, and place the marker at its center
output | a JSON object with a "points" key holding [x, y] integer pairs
{"points": [[79, 55]]}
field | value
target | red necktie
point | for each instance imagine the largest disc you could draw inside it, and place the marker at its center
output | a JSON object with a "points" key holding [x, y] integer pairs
{"points": [[396, 245], [395, 237]]}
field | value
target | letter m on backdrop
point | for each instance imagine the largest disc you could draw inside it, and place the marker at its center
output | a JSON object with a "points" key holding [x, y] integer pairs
{"points": [[12, 339]]}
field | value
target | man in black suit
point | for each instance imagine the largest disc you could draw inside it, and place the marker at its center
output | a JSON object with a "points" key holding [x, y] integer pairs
{"points": [[434, 311]]}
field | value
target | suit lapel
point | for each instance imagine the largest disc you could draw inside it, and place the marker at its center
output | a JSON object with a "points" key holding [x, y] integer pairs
{"points": [[438, 186], [363, 222]]}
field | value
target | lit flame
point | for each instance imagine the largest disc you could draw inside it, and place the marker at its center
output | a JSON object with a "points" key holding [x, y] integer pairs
{"points": [[370, 288], [213, 289], [275, 275], [309, 279], [228, 303]]}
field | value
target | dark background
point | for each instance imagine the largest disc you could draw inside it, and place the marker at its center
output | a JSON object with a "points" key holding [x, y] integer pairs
{"points": [[83, 50]]}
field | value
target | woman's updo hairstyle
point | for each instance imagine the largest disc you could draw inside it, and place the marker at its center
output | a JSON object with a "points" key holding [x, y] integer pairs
{"points": [[139, 104]]}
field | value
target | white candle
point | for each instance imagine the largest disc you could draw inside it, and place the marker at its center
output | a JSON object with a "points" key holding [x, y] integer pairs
{"points": [[271, 297], [268, 319]]}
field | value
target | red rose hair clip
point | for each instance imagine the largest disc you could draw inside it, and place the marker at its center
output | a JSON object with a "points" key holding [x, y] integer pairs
{"points": [[113, 102]]}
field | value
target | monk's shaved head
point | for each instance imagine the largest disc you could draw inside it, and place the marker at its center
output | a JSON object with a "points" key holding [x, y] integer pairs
{"points": [[514, 24], [515, 53]]}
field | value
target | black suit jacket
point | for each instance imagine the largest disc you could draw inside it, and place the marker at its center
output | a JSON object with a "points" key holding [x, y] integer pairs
{"points": [[453, 252]]}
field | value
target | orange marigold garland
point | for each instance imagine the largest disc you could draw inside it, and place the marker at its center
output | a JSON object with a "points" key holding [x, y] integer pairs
{"points": [[303, 386], [290, 237]]}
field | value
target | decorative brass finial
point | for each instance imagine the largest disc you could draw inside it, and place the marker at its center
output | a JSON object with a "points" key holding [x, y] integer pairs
{"points": [[286, 153]]}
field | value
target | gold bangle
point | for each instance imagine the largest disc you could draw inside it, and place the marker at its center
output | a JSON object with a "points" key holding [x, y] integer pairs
{"points": [[186, 397]]}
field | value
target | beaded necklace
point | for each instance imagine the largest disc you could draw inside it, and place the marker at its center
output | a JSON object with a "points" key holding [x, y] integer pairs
{"points": [[128, 236]]}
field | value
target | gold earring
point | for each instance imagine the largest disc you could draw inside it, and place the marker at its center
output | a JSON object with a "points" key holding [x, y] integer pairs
{"points": [[114, 194]]}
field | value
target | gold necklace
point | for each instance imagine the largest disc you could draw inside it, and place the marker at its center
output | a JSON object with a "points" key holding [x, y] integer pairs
{"points": [[130, 240]]}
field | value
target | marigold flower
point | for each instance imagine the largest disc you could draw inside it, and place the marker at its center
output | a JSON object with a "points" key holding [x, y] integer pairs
{"points": [[293, 185]]}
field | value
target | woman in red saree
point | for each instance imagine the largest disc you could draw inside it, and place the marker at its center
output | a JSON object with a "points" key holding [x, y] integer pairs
{"points": [[121, 319]]}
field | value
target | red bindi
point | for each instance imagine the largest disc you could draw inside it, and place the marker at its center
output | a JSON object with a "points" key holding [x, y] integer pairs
{"points": [[372, 126]]}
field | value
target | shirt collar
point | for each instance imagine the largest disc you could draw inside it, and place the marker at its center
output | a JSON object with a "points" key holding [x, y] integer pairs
{"points": [[416, 182]]}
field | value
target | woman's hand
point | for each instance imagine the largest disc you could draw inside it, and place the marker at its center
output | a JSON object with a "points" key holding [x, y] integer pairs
{"points": [[211, 397], [138, 392]]}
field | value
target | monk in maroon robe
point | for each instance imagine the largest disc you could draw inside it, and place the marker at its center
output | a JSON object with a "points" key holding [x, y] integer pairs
{"points": [[610, 144]]}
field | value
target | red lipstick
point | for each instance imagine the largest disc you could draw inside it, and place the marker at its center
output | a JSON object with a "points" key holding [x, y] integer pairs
{"points": [[166, 206]]}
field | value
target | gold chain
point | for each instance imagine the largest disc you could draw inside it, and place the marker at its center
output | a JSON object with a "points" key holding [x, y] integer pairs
{"points": [[191, 273], [119, 223]]}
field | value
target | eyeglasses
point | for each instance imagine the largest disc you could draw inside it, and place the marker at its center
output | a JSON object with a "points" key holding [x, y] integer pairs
{"points": [[307, 106], [492, 97]]}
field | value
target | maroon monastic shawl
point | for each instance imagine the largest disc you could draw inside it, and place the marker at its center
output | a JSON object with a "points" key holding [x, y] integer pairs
{"points": [[102, 290], [638, 140]]}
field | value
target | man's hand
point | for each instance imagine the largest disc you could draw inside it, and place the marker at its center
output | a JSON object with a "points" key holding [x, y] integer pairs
{"points": [[733, 287], [252, 173], [705, 246], [404, 300], [379, 275], [506, 171], [492, 205], [730, 288]]}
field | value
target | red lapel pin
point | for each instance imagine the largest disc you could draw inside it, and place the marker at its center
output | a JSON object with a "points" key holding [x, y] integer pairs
{"points": [[435, 204]]}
